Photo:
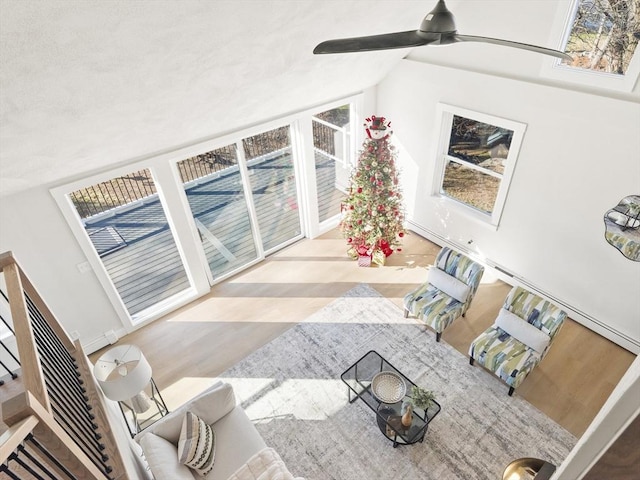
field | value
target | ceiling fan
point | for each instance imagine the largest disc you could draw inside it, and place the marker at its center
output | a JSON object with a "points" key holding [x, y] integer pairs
{"points": [[437, 28]]}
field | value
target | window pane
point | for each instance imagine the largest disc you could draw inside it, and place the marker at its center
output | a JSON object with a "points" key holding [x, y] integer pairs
{"points": [[331, 150], [126, 223], [471, 187], [216, 197], [273, 185], [602, 36], [479, 143], [338, 116]]}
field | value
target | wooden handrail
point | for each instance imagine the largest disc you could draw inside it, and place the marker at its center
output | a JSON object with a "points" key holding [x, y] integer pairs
{"points": [[15, 435], [96, 398], [6, 258], [32, 376]]}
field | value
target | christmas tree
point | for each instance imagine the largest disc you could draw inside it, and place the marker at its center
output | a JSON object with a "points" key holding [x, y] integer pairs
{"points": [[372, 214]]}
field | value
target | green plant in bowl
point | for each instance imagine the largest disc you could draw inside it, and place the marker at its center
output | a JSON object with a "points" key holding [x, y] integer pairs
{"points": [[422, 398]]}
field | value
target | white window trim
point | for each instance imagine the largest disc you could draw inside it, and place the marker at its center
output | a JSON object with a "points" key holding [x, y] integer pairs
{"points": [[552, 68], [197, 287], [445, 120], [314, 227], [164, 169]]}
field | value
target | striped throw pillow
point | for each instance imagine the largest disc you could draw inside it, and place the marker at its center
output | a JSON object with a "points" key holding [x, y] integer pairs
{"points": [[196, 446]]}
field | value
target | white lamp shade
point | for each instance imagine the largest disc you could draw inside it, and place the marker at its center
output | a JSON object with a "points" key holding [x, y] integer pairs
{"points": [[122, 372]]}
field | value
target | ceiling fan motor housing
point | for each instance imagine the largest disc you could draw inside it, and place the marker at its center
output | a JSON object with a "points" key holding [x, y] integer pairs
{"points": [[438, 20]]}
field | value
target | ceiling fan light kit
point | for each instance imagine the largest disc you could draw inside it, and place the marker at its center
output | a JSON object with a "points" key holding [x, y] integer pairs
{"points": [[437, 28]]}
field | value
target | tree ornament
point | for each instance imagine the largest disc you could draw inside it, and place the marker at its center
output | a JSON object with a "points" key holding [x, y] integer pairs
{"points": [[377, 128]]}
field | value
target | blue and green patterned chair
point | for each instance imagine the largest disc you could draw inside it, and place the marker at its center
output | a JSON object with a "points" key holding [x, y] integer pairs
{"points": [[447, 294], [519, 338]]}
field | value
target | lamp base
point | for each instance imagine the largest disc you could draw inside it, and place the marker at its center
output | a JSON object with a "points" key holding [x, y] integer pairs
{"points": [[142, 403]]}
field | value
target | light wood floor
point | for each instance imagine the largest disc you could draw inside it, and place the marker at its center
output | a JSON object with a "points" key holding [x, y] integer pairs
{"points": [[189, 348]]}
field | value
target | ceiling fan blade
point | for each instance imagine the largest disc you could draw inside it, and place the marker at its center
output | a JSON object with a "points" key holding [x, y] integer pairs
{"points": [[509, 43], [374, 42]]}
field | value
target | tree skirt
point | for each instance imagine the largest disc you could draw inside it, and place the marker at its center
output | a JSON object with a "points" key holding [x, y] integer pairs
{"points": [[291, 389]]}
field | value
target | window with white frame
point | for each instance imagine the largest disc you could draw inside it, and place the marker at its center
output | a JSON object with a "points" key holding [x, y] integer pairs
{"points": [[602, 38], [476, 159], [333, 153], [244, 195]]}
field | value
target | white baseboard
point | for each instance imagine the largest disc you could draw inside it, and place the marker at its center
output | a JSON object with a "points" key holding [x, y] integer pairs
{"points": [[107, 338], [512, 278]]}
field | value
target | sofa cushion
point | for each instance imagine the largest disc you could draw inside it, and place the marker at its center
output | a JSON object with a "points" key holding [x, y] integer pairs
{"points": [[522, 331], [449, 284], [197, 444], [237, 440], [162, 457], [210, 406]]}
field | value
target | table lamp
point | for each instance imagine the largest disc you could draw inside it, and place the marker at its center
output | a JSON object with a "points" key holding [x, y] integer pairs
{"points": [[123, 373]]}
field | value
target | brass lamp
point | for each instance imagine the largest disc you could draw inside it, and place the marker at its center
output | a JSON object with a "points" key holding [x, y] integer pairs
{"points": [[528, 469]]}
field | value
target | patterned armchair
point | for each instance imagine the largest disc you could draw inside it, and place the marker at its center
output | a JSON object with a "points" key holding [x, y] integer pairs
{"points": [[519, 338], [451, 285]]}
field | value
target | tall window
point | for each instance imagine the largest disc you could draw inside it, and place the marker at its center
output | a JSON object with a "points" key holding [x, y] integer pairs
{"points": [[127, 226], [477, 155], [273, 185], [237, 226], [603, 35], [602, 38], [216, 196], [332, 154]]}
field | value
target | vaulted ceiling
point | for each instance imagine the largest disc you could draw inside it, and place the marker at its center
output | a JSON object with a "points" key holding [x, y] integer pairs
{"points": [[85, 84]]}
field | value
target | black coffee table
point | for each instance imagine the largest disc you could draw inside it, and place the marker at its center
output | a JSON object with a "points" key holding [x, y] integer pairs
{"points": [[358, 379]]}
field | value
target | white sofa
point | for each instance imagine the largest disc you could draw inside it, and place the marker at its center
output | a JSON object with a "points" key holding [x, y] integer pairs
{"points": [[240, 451]]}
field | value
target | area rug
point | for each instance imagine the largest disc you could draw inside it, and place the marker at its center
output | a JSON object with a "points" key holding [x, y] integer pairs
{"points": [[291, 389]]}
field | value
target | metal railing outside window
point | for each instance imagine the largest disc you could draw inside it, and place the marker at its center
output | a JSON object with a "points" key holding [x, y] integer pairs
{"points": [[113, 193], [324, 140]]}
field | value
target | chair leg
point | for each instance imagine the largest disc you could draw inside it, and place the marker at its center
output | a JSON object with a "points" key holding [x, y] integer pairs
{"points": [[511, 389], [406, 313], [471, 360], [438, 335]]}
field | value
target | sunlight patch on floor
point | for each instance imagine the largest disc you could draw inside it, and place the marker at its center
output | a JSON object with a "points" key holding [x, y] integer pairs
{"points": [[227, 309], [266, 399], [185, 389], [230, 310], [298, 398]]}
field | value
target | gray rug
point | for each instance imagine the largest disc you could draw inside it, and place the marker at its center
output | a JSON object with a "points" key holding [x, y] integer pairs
{"points": [[291, 389]]}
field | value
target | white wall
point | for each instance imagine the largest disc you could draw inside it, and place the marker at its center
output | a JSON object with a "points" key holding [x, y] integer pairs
{"points": [[33, 228], [579, 157]]}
